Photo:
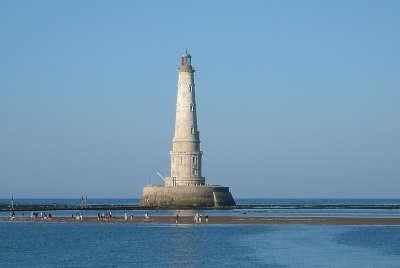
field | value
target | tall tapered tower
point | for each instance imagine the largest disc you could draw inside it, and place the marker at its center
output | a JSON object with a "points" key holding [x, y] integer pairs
{"points": [[186, 154], [186, 187]]}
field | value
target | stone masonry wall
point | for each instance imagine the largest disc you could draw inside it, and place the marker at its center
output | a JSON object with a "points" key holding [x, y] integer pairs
{"points": [[186, 196]]}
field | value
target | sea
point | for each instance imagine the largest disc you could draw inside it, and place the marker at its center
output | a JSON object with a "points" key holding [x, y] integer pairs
{"points": [[33, 244]]}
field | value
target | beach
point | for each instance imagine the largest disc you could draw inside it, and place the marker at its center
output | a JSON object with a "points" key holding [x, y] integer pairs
{"points": [[219, 220]]}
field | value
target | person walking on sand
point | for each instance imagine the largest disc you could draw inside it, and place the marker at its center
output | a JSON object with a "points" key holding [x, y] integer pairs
{"points": [[125, 216], [177, 217]]}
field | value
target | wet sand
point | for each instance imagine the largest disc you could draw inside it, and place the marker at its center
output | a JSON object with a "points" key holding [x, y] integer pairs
{"points": [[222, 220]]}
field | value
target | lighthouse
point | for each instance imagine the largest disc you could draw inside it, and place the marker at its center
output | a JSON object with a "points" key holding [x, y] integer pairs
{"points": [[185, 153], [186, 187]]}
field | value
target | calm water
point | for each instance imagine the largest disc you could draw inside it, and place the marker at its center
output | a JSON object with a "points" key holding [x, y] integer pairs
{"points": [[120, 245], [240, 212]]}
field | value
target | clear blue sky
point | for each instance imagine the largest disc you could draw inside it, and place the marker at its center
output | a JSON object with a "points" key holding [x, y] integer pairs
{"points": [[295, 98]]}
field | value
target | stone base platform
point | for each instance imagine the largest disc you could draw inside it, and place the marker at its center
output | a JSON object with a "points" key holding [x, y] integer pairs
{"points": [[200, 196]]}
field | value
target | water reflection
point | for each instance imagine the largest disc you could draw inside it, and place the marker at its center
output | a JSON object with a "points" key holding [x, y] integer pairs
{"points": [[384, 239], [120, 245]]}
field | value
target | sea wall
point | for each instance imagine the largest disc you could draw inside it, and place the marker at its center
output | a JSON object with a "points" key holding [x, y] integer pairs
{"points": [[186, 196]]}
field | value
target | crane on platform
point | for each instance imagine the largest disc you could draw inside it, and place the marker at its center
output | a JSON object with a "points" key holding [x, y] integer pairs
{"points": [[161, 176]]}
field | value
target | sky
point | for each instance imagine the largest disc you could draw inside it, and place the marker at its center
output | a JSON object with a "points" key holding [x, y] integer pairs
{"points": [[295, 99]]}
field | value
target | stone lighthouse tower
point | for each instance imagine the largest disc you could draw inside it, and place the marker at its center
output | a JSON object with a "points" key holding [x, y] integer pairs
{"points": [[186, 154], [186, 186]]}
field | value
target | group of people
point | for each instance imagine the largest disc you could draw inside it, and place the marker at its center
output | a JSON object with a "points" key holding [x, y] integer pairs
{"points": [[104, 216], [12, 215], [78, 216], [41, 215], [108, 216], [198, 218], [126, 217], [34, 216]]}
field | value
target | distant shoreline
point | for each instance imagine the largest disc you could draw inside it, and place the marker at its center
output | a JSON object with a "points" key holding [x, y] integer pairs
{"points": [[217, 220]]}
